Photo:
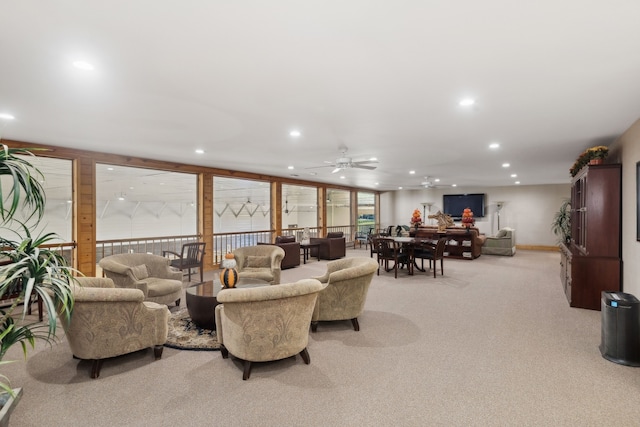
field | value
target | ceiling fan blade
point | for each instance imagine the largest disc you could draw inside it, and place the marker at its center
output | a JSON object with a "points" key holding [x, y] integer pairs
{"points": [[364, 167], [336, 170], [365, 162]]}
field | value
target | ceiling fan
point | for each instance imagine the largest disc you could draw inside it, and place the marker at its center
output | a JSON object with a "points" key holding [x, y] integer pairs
{"points": [[430, 182], [344, 162]]}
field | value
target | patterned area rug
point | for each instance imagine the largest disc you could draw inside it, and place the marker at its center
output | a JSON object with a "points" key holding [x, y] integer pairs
{"points": [[185, 335]]}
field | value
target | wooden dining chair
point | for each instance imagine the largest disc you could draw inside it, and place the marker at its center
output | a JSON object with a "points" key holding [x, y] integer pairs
{"points": [[438, 254], [192, 256], [389, 250]]}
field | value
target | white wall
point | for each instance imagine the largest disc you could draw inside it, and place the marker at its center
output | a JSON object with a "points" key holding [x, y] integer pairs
{"points": [[527, 208], [626, 150]]}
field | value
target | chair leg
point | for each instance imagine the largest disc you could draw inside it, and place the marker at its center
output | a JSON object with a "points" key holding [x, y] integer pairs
{"points": [[314, 326], [247, 370], [305, 356], [157, 351], [95, 368], [178, 302], [224, 351], [201, 273], [356, 325], [189, 273], [441, 267]]}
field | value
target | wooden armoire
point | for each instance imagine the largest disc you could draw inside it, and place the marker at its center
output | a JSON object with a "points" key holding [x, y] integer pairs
{"points": [[592, 262]]}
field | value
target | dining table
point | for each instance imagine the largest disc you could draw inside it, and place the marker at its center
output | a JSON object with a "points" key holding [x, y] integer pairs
{"points": [[411, 245]]}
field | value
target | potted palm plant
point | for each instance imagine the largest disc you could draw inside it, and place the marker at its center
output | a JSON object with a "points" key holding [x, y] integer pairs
{"points": [[27, 270], [561, 224]]}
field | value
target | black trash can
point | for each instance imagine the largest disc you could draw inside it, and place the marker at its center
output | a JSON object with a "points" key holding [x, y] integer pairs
{"points": [[620, 328]]}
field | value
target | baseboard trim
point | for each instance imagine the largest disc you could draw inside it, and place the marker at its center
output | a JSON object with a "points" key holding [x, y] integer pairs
{"points": [[538, 248]]}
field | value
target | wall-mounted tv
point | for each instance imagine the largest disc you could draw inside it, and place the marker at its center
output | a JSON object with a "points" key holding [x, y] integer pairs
{"points": [[454, 204]]}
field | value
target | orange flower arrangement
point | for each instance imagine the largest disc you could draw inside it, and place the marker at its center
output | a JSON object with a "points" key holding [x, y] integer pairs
{"points": [[416, 219], [467, 218]]}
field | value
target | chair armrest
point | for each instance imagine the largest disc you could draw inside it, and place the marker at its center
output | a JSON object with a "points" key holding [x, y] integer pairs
{"points": [[114, 295], [177, 255]]}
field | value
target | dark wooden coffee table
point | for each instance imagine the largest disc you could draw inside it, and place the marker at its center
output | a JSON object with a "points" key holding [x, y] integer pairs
{"points": [[201, 299], [306, 250]]}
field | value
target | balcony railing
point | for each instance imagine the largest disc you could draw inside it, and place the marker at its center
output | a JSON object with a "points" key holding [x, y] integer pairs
{"points": [[151, 245]]}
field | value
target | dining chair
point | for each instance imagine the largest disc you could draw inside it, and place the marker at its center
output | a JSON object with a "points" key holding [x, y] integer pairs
{"points": [[388, 249], [423, 249], [191, 256], [438, 254]]}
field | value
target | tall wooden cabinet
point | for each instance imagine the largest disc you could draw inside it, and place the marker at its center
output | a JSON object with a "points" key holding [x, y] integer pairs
{"points": [[592, 262]]}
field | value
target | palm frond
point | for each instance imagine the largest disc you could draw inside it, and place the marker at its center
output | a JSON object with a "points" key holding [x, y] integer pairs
{"points": [[25, 186]]}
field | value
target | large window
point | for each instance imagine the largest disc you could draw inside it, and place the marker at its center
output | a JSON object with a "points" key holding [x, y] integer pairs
{"points": [[135, 203], [339, 210], [366, 213], [56, 181], [300, 207], [241, 205]]}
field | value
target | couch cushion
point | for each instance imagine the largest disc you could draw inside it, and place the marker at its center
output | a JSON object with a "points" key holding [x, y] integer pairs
{"points": [[257, 273], [335, 234], [285, 239], [140, 272], [257, 262], [161, 287]]}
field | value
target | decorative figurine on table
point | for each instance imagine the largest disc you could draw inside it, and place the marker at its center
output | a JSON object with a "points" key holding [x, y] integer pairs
{"points": [[467, 218], [229, 274], [416, 219], [306, 236], [444, 221]]}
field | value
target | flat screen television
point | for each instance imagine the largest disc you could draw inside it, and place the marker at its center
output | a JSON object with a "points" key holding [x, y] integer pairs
{"points": [[454, 204]]}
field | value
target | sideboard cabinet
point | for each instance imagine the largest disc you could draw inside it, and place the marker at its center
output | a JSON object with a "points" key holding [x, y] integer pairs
{"points": [[594, 256]]}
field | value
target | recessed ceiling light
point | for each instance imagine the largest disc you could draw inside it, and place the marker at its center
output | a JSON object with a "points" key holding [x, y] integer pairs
{"points": [[399, 188], [514, 175], [517, 182], [199, 151], [313, 173], [454, 185], [83, 65], [467, 102], [437, 180], [295, 133], [505, 165], [412, 172], [373, 159], [342, 177], [376, 183], [494, 145], [290, 167], [5, 116], [109, 169]]}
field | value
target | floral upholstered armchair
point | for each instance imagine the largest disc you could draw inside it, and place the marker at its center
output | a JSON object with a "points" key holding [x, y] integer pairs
{"points": [[266, 323], [260, 262], [149, 273], [347, 283], [107, 321]]}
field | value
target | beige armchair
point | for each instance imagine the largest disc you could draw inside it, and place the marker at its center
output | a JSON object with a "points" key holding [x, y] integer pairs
{"points": [[266, 323], [260, 262], [107, 321], [347, 283], [503, 243], [149, 273]]}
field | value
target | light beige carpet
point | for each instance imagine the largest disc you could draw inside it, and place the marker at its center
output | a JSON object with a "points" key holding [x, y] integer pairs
{"points": [[493, 342]]}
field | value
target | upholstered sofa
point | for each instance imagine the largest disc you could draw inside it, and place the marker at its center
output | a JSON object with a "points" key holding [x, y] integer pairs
{"points": [[260, 262], [266, 323], [151, 274], [291, 251], [431, 232], [347, 283], [107, 321], [333, 246], [503, 243]]}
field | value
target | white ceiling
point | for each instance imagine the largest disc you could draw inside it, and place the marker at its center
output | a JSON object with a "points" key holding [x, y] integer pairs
{"points": [[383, 78]]}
